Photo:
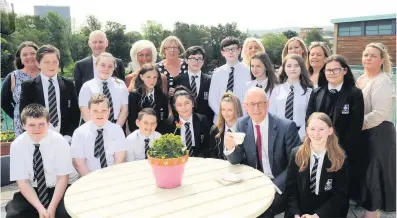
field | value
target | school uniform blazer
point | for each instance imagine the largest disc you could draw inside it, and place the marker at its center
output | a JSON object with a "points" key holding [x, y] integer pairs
{"points": [[282, 138], [134, 107], [84, 71], [32, 92], [216, 144], [201, 133], [201, 105], [348, 115], [332, 194]]}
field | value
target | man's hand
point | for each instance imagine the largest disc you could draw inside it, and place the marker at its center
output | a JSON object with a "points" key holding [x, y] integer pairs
{"points": [[230, 142]]}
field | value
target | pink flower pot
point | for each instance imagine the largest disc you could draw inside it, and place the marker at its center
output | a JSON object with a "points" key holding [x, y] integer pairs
{"points": [[168, 172]]}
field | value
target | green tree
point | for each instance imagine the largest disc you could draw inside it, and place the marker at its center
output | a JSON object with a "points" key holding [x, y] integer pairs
{"points": [[290, 33], [59, 36], [7, 22], [6, 56], [91, 23], [274, 44], [154, 32], [312, 36], [119, 46], [78, 46]]}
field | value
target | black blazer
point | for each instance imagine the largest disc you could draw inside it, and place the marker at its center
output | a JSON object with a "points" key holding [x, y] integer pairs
{"points": [[201, 133], [332, 195], [282, 138], [348, 115], [7, 100], [201, 105], [134, 107], [216, 144], [32, 92], [84, 71]]}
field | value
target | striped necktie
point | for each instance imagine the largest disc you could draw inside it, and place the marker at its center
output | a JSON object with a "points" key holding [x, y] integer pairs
{"points": [[193, 86], [313, 175], [38, 167], [289, 105], [188, 139], [106, 92], [151, 100], [230, 82], [99, 151], [147, 140], [52, 104]]}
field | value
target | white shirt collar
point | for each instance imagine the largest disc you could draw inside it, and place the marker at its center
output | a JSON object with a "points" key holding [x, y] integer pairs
{"points": [[93, 59], [184, 121], [152, 92], [142, 137], [54, 78], [337, 88], [194, 74], [263, 123], [318, 155], [295, 84], [101, 81], [94, 127], [229, 65], [233, 128]]}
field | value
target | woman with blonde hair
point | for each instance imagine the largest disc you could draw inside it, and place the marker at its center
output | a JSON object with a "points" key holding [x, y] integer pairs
{"points": [[378, 147], [250, 47], [317, 53], [171, 48], [230, 110], [294, 45], [142, 52], [317, 175]]}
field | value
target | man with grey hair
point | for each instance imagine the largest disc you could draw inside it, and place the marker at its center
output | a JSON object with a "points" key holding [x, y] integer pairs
{"points": [[267, 145], [84, 70]]}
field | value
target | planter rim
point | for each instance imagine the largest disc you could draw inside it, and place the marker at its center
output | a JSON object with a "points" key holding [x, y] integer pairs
{"points": [[168, 161]]}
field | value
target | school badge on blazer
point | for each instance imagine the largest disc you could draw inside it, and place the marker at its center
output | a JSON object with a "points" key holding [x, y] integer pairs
{"points": [[202, 138], [328, 185], [161, 114], [69, 103], [345, 109], [205, 95]]}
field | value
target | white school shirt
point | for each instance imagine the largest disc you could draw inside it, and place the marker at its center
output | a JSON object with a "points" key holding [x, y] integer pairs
{"points": [[117, 89], [219, 85], [255, 82], [135, 143], [339, 87], [94, 66], [319, 166], [45, 83], [232, 128], [197, 80], [83, 143], [183, 129], [264, 128], [55, 153], [278, 102]]}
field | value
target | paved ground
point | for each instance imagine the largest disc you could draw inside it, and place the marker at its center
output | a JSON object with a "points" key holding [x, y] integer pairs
{"points": [[8, 191]]}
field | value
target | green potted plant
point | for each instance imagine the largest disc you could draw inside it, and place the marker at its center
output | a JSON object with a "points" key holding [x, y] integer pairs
{"points": [[168, 156], [6, 139]]}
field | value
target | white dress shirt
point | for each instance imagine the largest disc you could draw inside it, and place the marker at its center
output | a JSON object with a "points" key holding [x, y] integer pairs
{"points": [[219, 81], [117, 89], [339, 87], [264, 128], [55, 153], [46, 84], [150, 93], [135, 143], [197, 80], [254, 83], [183, 129], [233, 129], [319, 166], [278, 103], [83, 143], [94, 66]]}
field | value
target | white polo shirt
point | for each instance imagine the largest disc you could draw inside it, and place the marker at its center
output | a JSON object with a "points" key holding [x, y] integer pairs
{"points": [[83, 143], [117, 89], [135, 143], [55, 153]]}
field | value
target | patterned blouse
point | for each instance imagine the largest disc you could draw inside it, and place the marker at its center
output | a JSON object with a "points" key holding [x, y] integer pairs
{"points": [[160, 66]]}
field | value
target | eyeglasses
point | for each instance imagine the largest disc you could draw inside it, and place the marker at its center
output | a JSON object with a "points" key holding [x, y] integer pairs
{"points": [[260, 104], [172, 48], [230, 49], [197, 60], [334, 71]]}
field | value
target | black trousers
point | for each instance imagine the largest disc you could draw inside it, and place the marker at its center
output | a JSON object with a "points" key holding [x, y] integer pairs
{"points": [[19, 207], [277, 207]]}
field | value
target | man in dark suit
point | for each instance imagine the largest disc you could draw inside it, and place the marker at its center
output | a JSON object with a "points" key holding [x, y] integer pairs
{"points": [[85, 70], [54, 92], [267, 145], [196, 81]]}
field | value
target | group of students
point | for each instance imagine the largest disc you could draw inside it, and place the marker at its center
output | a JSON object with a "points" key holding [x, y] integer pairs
{"points": [[120, 121]]}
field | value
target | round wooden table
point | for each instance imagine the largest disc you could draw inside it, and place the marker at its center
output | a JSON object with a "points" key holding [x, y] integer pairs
{"points": [[129, 190]]}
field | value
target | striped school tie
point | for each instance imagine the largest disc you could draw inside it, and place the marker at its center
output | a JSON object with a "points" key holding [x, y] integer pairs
{"points": [[52, 104], [289, 105], [99, 151], [230, 82], [188, 139], [106, 92], [193, 86], [38, 167], [147, 140], [313, 175]]}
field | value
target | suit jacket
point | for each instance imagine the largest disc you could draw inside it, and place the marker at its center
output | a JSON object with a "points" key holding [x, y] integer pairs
{"points": [[201, 133], [216, 144], [201, 105], [348, 115], [7, 101], [84, 71], [332, 195], [282, 138], [135, 106], [32, 92]]}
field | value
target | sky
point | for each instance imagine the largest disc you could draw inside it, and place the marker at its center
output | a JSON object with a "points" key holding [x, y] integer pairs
{"points": [[251, 14]]}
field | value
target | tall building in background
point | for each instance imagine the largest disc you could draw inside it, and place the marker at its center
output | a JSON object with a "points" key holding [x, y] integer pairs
{"points": [[63, 11]]}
